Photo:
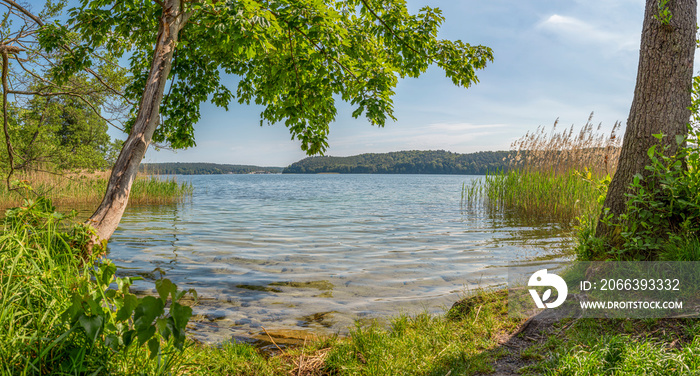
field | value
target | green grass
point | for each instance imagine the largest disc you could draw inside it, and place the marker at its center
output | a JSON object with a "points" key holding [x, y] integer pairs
{"points": [[42, 268], [152, 190], [535, 195], [621, 347], [426, 344], [35, 285]]}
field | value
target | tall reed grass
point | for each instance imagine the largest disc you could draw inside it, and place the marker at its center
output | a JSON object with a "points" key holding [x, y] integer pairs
{"points": [[553, 176], [78, 190], [536, 195]]}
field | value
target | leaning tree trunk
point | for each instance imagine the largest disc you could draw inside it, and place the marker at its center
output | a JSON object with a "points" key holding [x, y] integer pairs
{"points": [[107, 216], [661, 96]]}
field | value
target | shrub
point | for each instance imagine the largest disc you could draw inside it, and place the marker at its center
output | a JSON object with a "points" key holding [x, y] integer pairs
{"points": [[58, 314], [662, 216]]}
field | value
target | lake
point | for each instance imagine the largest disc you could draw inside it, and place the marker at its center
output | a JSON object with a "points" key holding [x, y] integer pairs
{"points": [[298, 254]]}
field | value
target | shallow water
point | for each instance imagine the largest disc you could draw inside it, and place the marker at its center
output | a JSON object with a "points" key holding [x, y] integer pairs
{"points": [[300, 254]]}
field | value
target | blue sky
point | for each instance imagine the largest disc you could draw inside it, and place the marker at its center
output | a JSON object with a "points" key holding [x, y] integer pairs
{"points": [[553, 59]]}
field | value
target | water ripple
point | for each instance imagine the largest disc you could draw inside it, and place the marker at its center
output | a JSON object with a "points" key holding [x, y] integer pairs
{"points": [[315, 252]]}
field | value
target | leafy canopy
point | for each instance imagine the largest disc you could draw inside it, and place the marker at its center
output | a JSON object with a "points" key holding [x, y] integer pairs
{"points": [[294, 57]]}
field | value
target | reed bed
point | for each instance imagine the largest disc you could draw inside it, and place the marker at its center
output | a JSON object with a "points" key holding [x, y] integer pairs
{"points": [[88, 188], [552, 177], [536, 195], [562, 152]]}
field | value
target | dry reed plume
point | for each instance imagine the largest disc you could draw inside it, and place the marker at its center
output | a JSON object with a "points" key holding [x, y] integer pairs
{"points": [[545, 180], [560, 152]]}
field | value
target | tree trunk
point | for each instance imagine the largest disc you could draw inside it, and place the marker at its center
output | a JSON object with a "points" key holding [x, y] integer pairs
{"points": [[107, 216], [661, 96]]}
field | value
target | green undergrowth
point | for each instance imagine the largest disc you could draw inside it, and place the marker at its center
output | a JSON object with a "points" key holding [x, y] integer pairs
{"points": [[661, 220], [618, 347], [427, 345], [63, 312], [465, 341]]}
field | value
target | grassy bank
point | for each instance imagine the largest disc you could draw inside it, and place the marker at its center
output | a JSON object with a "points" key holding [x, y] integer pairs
{"points": [[60, 314], [69, 191], [618, 347]]}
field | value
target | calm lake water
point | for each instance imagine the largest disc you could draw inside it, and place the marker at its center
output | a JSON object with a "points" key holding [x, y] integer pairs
{"points": [[315, 253]]}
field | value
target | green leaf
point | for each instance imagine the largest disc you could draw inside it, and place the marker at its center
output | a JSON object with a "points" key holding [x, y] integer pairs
{"points": [[144, 334], [162, 326], [74, 310], [112, 342], [636, 179], [181, 314], [108, 269], [128, 337], [680, 139], [153, 346], [178, 334], [148, 309], [92, 326], [129, 304], [177, 295], [164, 288], [651, 151]]}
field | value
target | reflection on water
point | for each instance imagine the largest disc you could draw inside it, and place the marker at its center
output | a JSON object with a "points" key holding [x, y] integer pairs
{"points": [[313, 253]]}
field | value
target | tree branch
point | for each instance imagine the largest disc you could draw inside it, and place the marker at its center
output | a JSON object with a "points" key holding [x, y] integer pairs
{"points": [[70, 94], [26, 12], [66, 47], [5, 125], [321, 50]]}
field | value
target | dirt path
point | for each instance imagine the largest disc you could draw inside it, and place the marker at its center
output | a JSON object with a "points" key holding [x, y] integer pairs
{"points": [[534, 331]]}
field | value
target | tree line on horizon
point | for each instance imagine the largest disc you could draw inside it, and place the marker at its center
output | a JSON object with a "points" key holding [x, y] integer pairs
{"points": [[201, 168], [400, 162], [405, 162]]}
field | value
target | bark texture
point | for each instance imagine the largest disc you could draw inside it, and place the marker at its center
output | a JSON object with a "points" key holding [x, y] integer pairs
{"points": [[661, 95], [107, 216]]}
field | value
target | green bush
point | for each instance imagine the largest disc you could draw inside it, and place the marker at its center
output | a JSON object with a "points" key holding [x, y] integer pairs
{"points": [[58, 314], [662, 217]]}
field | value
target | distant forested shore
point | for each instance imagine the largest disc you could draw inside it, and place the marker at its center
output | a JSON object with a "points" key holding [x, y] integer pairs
{"points": [[405, 162], [400, 162], [178, 168]]}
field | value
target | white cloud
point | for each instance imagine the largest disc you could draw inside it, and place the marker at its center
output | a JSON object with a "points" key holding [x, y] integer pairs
{"points": [[573, 29]]}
